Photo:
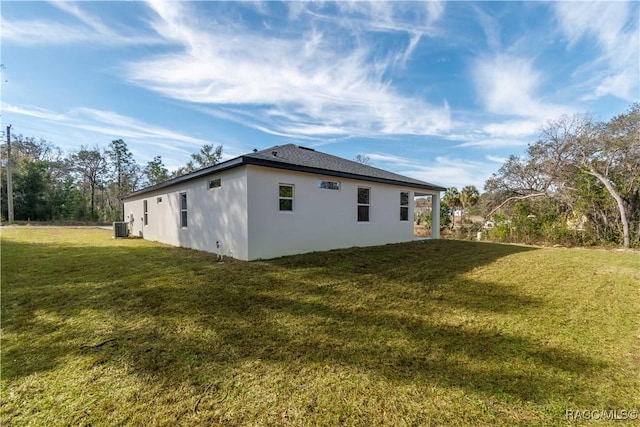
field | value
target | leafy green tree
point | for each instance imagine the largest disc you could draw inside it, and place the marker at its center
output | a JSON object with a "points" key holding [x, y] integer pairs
{"points": [[610, 152], [121, 160], [39, 173], [156, 172], [569, 150], [207, 156], [90, 167], [32, 185], [124, 176], [67, 201]]}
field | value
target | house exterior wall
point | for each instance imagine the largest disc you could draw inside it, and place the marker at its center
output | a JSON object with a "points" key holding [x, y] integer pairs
{"points": [[322, 219], [213, 215]]}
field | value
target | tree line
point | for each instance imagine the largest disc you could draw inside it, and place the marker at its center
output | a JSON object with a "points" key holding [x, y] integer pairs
{"points": [[84, 185], [578, 184]]}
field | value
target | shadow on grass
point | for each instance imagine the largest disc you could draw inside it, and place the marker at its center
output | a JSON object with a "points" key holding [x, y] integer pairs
{"points": [[403, 312]]}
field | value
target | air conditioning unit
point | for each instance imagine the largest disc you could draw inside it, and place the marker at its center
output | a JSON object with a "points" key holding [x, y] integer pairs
{"points": [[120, 229]]}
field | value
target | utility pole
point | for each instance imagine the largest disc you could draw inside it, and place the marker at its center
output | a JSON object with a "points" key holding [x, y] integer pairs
{"points": [[9, 178]]}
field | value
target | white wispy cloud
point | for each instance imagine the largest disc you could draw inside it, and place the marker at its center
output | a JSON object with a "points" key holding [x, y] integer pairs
{"points": [[390, 159], [512, 86], [442, 170], [491, 28], [386, 16], [416, 20], [112, 125], [508, 133], [37, 112], [322, 86], [454, 172], [512, 128], [507, 84], [615, 28], [496, 159], [484, 142], [83, 29]]}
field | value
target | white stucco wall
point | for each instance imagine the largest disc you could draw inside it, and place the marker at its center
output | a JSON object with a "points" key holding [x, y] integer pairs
{"points": [[322, 219], [218, 214], [244, 216]]}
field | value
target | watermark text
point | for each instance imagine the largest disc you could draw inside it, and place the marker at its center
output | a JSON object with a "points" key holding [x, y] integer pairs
{"points": [[601, 414]]}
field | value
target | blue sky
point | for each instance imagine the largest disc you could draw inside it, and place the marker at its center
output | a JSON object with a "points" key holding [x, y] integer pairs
{"points": [[439, 91]]}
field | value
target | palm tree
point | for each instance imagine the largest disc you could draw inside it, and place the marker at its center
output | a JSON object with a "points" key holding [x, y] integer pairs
{"points": [[469, 197], [452, 200]]}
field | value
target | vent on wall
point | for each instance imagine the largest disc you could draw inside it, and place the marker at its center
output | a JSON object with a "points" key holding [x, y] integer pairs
{"points": [[120, 229]]}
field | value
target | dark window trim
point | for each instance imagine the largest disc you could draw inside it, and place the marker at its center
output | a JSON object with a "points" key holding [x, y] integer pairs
{"points": [[211, 184], [404, 208], [329, 185], [184, 211], [366, 207]]}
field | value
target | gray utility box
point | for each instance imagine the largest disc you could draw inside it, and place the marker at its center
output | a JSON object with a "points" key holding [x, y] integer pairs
{"points": [[120, 229]]}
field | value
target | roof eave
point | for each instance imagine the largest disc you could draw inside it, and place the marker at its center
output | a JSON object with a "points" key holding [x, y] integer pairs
{"points": [[229, 164]]}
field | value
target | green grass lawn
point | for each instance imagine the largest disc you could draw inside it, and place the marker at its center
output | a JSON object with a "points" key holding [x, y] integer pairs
{"points": [[97, 331]]}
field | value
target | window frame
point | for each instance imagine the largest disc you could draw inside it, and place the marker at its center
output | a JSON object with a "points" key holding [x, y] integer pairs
{"points": [[329, 185], [145, 212], [211, 184], [404, 207], [282, 198], [366, 205], [184, 210]]}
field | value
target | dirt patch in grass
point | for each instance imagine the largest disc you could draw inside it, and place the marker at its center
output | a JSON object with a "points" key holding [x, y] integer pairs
{"points": [[102, 331]]}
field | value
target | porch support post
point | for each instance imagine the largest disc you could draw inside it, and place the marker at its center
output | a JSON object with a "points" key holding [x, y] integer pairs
{"points": [[435, 216]]}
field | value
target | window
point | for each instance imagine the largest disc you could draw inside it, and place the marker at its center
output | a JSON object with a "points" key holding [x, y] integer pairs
{"points": [[286, 198], [214, 183], [404, 206], [183, 210], [159, 200], [363, 204], [329, 185], [145, 208]]}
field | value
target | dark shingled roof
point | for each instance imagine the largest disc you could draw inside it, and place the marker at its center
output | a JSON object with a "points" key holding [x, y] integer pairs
{"points": [[296, 158], [301, 157]]}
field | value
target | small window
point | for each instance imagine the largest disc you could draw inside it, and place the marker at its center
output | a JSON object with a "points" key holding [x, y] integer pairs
{"points": [[363, 204], [159, 200], [146, 212], [286, 198], [214, 183], [183, 210], [404, 206], [329, 185]]}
